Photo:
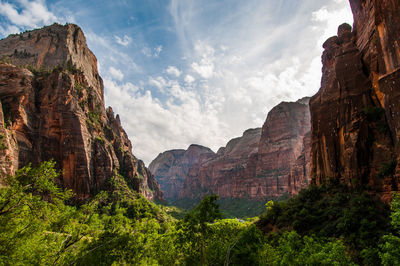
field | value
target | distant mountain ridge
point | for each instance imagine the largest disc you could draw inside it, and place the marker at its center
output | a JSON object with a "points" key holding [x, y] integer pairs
{"points": [[263, 163], [52, 100]]}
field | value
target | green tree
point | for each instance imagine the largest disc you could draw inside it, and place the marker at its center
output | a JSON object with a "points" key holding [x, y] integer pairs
{"points": [[29, 204], [195, 229], [390, 254]]}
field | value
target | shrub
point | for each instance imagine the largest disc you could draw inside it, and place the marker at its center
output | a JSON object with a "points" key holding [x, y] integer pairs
{"points": [[388, 169]]}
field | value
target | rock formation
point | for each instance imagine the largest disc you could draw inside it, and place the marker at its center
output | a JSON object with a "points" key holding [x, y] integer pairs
{"points": [[262, 164], [53, 108], [171, 167], [355, 115]]}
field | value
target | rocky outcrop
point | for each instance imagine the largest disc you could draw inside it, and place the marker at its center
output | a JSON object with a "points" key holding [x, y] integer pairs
{"points": [[223, 174], [262, 164], [53, 108], [355, 114], [284, 148], [171, 167]]}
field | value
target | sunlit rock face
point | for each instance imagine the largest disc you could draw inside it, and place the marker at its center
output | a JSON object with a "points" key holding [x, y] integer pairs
{"points": [[355, 115], [55, 110], [263, 163]]}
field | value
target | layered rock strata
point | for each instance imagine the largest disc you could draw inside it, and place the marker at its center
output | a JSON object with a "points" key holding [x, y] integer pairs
{"points": [[263, 163], [53, 108], [355, 114]]}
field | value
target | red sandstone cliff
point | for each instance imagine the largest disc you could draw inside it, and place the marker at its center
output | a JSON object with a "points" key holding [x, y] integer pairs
{"points": [[263, 163], [355, 114], [171, 167], [56, 111]]}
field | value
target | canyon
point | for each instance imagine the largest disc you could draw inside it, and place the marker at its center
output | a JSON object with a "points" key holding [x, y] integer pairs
{"points": [[52, 107], [264, 163], [354, 131]]}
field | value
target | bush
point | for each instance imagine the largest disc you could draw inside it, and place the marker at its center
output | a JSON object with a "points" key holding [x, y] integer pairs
{"points": [[388, 169], [331, 211]]}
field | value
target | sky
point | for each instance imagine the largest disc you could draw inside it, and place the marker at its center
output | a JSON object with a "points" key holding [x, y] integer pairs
{"points": [[193, 71]]}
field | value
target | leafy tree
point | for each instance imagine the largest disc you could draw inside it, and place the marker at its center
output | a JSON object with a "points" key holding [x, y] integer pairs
{"points": [[194, 228], [333, 210], [29, 203], [390, 253], [292, 249]]}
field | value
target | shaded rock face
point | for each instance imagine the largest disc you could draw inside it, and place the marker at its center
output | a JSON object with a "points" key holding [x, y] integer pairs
{"points": [[263, 163], [171, 167], [57, 112], [355, 115]]}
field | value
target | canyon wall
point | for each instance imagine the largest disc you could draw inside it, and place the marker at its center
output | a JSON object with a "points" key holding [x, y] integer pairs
{"points": [[53, 108], [264, 163], [355, 115]]}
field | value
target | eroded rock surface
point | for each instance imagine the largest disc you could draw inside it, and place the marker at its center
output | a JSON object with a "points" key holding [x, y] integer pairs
{"points": [[263, 163], [55, 110], [355, 114]]}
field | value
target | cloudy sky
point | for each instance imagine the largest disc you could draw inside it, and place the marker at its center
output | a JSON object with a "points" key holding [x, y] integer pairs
{"points": [[194, 71]]}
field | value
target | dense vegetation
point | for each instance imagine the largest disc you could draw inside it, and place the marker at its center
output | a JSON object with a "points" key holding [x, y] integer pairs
{"points": [[329, 225], [230, 207]]}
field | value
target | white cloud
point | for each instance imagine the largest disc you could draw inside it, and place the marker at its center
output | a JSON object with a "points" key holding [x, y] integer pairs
{"points": [[30, 13], [158, 82], [158, 50], [173, 71], [331, 19], [108, 53], [116, 73], [8, 29], [235, 67], [154, 127], [205, 65], [189, 79], [124, 41], [155, 52]]}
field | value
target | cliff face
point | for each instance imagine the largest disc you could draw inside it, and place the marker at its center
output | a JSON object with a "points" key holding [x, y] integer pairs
{"points": [[262, 164], [172, 167], [283, 152], [56, 111], [223, 174], [355, 114]]}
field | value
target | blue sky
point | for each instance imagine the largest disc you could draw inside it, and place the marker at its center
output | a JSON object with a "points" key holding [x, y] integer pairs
{"points": [[194, 71]]}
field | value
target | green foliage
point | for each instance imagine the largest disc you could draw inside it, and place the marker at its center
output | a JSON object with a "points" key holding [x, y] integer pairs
{"points": [[3, 145], [240, 208], [332, 210], [79, 88], [388, 169], [390, 253], [39, 72], [333, 226], [292, 249], [4, 59], [22, 54], [100, 139], [230, 208], [269, 205], [6, 113], [70, 67], [94, 119], [29, 204], [195, 228]]}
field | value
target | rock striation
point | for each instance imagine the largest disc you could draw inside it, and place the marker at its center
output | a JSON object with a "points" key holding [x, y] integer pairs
{"points": [[53, 108], [355, 115], [264, 163], [171, 167]]}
